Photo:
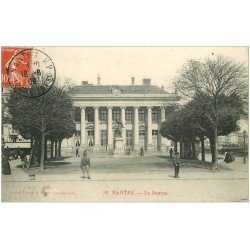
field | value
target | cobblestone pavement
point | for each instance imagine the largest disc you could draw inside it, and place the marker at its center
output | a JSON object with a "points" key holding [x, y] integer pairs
{"points": [[134, 178]]}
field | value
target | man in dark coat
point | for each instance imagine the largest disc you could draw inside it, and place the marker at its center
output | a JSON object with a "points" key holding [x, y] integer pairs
{"points": [[77, 152], [141, 151], [171, 152], [176, 163], [5, 164]]}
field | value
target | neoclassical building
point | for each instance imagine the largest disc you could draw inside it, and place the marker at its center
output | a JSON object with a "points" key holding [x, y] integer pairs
{"points": [[140, 108]]}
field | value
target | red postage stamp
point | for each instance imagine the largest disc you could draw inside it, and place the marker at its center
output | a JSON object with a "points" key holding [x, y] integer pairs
{"points": [[28, 71], [16, 67]]}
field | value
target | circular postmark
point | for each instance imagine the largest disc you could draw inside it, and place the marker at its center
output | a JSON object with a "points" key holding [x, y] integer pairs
{"points": [[31, 73]]}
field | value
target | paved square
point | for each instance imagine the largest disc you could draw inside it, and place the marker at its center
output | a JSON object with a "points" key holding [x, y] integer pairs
{"points": [[134, 178]]}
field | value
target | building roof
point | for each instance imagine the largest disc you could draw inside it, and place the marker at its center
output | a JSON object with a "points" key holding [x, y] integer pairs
{"points": [[121, 89]]}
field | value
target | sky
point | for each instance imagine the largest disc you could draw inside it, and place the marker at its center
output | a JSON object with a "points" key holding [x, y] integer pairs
{"points": [[116, 65]]}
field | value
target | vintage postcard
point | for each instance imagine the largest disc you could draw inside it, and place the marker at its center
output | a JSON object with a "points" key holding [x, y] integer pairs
{"points": [[124, 124]]}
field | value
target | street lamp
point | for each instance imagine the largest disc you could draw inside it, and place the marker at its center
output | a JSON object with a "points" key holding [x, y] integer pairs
{"points": [[244, 136]]}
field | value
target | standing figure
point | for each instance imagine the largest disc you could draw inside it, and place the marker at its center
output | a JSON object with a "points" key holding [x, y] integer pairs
{"points": [[23, 158], [5, 164], [171, 152], [141, 151], [77, 152], [176, 163], [85, 164]]}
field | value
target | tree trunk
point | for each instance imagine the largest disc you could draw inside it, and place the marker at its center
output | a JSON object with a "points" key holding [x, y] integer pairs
{"points": [[31, 152], [215, 163], [175, 147], [187, 154], [181, 150], [211, 140], [45, 150], [202, 149], [56, 149], [42, 151], [59, 148], [193, 154], [52, 149]]}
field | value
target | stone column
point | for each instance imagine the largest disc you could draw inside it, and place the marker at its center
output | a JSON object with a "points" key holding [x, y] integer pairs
{"points": [[123, 120], [83, 130], [110, 128], [136, 128], [96, 129], [149, 129]]}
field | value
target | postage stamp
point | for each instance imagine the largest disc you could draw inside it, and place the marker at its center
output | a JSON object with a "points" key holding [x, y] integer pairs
{"points": [[28, 71]]}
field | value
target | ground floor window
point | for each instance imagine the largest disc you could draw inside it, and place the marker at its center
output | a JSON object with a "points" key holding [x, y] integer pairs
{"points": [[142, 138], [90, 137], [103, 138], [129, 138], [155, 138]]}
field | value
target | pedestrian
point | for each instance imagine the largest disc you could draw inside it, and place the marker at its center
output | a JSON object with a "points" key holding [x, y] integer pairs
{"points": [[85, 164], [5, 164], [141, 151], [23, 158], [176, 163], [171, 152], [77, 152], [229, 157]]}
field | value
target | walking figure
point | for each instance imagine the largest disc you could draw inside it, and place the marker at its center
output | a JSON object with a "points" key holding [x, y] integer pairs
{"points": [[85, 164], [141, 151], [176, 163], [77, 152], [171, 152]]}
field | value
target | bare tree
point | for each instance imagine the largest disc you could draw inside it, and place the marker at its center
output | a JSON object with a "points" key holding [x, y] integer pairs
{"points": [[213, 78]]}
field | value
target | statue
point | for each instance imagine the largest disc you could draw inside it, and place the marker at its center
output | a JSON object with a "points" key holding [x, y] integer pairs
{"points": [[118, 130]]}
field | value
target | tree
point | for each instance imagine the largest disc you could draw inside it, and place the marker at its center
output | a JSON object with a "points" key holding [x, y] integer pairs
{"points": [[214, 79], [188, 122], [179, 129], [40, 116]]}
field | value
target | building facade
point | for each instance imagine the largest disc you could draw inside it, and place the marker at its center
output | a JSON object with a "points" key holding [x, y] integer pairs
{"points": [[140, 108]]}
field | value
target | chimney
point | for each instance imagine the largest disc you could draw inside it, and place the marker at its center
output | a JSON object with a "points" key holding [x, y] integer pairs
{"points": [[146, 82], [98, 80], [84, 83], [132, 81]]}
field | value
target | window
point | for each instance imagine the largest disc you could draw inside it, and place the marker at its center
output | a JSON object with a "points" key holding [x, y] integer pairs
{"points": [[155, 138], [14, 131], [116, 115], [141, 115], [128, 116], [104, 115], [91, 133], [141, 132], [142, 138], [90, 116], [77, 113], [103, 137], [154, 132], [129, 138], [155, 115], [78, 133]]}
